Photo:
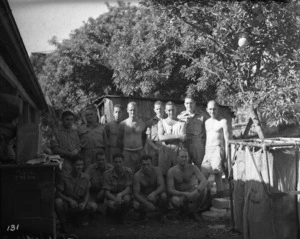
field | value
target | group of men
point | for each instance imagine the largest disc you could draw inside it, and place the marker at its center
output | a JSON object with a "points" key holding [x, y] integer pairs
{"points": [[165, 162]]}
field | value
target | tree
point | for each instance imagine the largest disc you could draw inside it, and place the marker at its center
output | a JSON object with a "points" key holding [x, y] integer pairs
{"points": [[251, 52], [130, 50]]}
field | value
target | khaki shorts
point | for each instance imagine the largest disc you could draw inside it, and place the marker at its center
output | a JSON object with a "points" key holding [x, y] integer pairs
{"points": [[213, 159]]}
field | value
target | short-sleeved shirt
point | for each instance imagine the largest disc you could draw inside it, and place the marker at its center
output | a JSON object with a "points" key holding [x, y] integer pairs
{"points": [[66, 139], [117, 183], [195, 126], [152, 128], [96, 175], [92, 138], [74, 188]]}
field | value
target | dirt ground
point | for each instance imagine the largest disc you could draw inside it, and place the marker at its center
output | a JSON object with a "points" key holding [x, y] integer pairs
{"points": [[152, 228]]}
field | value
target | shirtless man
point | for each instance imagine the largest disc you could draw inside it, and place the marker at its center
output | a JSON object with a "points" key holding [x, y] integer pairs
{"points": [[216, 147], [186, 185], [195, 131], [130, 138], [153, 144], [112, 131], [172, 133], [148, 188]]}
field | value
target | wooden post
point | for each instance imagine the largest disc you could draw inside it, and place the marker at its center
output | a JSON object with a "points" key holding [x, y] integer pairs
{"points": [[257, 124]]}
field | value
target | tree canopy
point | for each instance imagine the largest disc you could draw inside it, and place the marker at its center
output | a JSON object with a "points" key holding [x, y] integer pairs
{"points": [[242, 53], [259, 71]]}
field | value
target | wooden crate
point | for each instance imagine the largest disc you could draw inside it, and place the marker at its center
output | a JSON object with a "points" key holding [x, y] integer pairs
{"points": [[27, 198]]}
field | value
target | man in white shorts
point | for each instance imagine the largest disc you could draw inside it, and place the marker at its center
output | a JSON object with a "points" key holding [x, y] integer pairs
{"points": [[217, 136]]}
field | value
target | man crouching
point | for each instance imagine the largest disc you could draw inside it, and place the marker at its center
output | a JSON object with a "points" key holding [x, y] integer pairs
{"points": [[149, 189], [117, 186], [186, 186], [73, 194]]}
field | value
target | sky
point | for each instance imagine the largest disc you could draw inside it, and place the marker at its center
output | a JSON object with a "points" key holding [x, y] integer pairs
{"points": [[39, 20]]}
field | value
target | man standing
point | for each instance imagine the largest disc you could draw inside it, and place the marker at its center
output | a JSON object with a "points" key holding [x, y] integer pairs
{"points": [[112, 131], [73, 194], [153, 144], [95, 172], [186, 185], [195, 131], [130, 137], [216, 147], [172, 133], [92, 136], [149, 188], [65, 140], [117, 186]]}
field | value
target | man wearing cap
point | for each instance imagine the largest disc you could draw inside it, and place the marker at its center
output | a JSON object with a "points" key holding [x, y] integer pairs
{"points": [[153, 144], [195, 131], [65, 140], [92, 136]]}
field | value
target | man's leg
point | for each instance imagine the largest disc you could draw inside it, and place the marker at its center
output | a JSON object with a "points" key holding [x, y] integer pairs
{"points": [[216, 164], [61, 208], [164, 162], [123, 208], [128, 161], [197, 151]]}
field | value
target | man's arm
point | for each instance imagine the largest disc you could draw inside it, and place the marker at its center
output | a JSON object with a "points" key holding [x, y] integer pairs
{"points": [[201, 178], [160, 182], [105, 138], [63, 153], [137, 188], [171, 188], [162, 136], [226, 135], [86, 197], [54, 144], [120, 136]]}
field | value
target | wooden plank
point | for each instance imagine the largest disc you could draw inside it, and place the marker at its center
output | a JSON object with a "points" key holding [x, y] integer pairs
{"points": [[13, 80]]}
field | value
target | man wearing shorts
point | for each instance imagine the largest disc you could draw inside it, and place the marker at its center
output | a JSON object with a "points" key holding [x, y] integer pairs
{"points": [[186, 186], [72, 194], [149, 189], [215, 148], [130, 138], [118, 186], [95, 172]]}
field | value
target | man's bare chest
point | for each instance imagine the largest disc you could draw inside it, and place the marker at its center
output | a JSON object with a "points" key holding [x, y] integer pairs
{"points": [[134, 127]]}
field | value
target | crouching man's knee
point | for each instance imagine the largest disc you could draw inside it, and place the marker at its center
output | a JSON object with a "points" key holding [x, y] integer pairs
{"points": [[92, 206], [59, 203], [177, 201]]}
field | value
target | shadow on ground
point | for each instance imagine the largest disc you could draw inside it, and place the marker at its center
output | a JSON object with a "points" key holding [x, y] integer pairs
{"points": [[152, 228]]}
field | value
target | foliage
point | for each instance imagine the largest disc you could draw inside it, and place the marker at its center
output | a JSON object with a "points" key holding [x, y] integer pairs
{"points": [[261, 74]]}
